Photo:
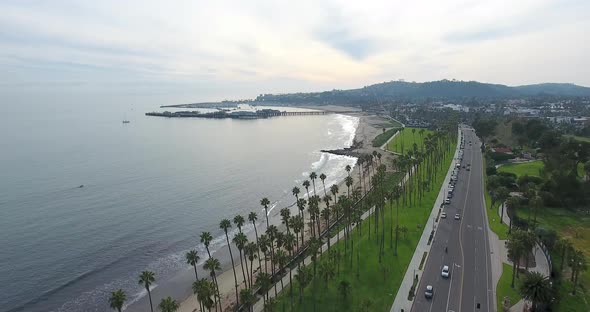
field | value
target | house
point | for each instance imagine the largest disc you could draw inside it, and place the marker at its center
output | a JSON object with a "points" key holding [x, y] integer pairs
{"points": [[504, 150]]}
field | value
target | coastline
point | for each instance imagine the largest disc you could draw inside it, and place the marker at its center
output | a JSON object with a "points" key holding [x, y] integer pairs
{"points": [[366, 130]]}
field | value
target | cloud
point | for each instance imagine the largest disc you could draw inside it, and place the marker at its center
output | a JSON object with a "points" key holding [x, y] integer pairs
{"points": [[279, 46]]}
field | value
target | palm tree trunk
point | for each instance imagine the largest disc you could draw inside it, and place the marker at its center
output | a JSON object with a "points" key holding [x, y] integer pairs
{"points": [[150, 296], [257, 249], [233, 266], [242, 266], [196, 274]]}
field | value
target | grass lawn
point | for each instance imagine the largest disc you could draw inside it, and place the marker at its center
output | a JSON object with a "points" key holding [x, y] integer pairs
{"points": [[504, 290], [390, 124], [578, 138], [377, 284], [530, 168], [404, 141], [576, 227], [501, 229], [383, 137]]}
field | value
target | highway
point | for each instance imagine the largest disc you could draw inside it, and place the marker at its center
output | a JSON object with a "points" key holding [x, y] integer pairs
{"points": [[469, 285]]}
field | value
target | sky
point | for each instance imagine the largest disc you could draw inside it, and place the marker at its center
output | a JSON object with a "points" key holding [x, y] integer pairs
{"points": [[187, 51]]}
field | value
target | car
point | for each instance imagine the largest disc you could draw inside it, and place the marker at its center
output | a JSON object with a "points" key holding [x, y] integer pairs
{"points": [[457, 216], [447, 200], [443, 215], [445, 271], [463, 166], [429, 291], [468, 169]]}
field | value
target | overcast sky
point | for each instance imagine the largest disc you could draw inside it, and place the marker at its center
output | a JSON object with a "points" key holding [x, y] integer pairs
{"points": [[212, 50]]}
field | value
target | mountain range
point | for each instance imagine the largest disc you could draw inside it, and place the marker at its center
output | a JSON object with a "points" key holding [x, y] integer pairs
{"points": [[442, 89]]}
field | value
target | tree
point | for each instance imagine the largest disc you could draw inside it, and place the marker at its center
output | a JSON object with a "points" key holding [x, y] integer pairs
{"points": [[206, 239], [348, 168], [146, 278], [579, 264], [306, 185], [213, 265], [252, 217], [251, 250], [204, 289], [303, 277], [344, 289], [117, 299], [225, 225], [327, 271], [515, 251], [169, 305], [313, 176], [536, 288], [296, 192], [263, 281], [193, 258], [314, 246], [248, 298], [334, 191], [323, 178], [239, 222], [241, 240], [265, 202]]}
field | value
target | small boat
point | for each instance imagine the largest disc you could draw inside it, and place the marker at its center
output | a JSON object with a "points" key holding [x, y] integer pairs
{"points": [[81, 186], [126, 121]]}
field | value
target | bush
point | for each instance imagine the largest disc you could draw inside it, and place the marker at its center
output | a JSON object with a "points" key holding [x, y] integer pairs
{"points": [[491, 171], [499, 157]]}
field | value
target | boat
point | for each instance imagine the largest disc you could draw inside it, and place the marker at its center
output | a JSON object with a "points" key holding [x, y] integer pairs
{"points": [[126, 121]]}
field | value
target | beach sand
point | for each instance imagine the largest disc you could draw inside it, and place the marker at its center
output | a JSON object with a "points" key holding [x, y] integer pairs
{"points": [[368, 128]]}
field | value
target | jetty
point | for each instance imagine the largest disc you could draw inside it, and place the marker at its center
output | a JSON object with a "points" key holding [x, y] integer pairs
{"points": [[263, 113]]}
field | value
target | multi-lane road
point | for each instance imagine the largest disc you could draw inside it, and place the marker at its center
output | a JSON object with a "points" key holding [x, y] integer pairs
{"points": [[461, 244]]}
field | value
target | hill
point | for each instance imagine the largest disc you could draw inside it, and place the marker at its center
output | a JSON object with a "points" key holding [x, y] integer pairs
{"points": [[442, 89]]}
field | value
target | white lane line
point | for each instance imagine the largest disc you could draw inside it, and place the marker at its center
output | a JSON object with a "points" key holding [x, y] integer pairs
{"points": [[450, 287], [461, 234]]}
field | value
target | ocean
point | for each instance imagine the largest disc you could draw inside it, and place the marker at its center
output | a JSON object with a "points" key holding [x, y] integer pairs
{"points": [[150, 188]]}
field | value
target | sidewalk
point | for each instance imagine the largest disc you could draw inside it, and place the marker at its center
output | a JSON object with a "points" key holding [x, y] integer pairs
{"points": [[401, 301], [542, 265]]}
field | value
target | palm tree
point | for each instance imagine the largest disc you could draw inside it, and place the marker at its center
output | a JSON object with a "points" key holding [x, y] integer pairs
{"points": [[265, 202], [225, 225], [117, 299], [303, 278], [297, 223], [344, 289], [192, 258], [204, 289], [515, 249], [206, 239], [241, 240], [327, 271], [281, 258], [213, 265], [314, 245], [285, 216], [263, 244], [263, 281], [563, 245], [248, 298], [301, 202], [348, 168], [334, 191], [239, 222], [252, 217], [536, 288], [579, 264], [323, 178], [271, 232], [349, 182], [251, 251], [169, 305], [296, 192], [306, 185], [146, 278], [313, 176]]}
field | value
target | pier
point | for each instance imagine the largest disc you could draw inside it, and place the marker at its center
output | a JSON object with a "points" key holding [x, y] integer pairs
{"points": [[265, 113]]}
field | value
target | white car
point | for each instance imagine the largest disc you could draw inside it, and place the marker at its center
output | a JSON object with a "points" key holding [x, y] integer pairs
{"points": [[457, 216], [429, 291], [443, 215], [447, 201], [445, 271]]}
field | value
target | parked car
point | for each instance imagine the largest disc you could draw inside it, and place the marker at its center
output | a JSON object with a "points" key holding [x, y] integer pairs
{"points": [[443, 215], [457, 216]]}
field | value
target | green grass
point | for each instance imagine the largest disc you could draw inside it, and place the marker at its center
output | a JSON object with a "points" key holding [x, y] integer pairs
{"points": [[501, 229], [404, 141], [383, 137], [578, 138], [532, 168], [377, 282], [576, 227], [504, 290], [390, 124]]}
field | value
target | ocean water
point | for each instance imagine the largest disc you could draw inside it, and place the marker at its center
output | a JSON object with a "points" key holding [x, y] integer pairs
{"points": [[149, 189]]}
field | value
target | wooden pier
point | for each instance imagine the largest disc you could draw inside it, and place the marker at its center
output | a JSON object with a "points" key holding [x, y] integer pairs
{"points": [[236, 115]]}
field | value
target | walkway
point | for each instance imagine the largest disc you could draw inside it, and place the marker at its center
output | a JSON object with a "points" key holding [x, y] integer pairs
{"points": [[401, 302], [542, 265]]}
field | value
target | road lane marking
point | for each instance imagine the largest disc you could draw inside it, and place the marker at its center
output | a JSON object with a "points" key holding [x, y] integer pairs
{"points": [[461, 236], [450, 287]]}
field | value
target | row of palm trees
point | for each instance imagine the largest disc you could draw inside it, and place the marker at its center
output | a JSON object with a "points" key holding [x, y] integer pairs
{"points": [[282, 251]]}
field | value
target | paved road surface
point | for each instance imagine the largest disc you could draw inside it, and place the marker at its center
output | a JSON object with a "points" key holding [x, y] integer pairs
{"points": [[469, 286]]}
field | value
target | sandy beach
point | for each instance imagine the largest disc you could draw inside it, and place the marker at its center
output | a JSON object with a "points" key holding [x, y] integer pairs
{"points": [[368, 128]]}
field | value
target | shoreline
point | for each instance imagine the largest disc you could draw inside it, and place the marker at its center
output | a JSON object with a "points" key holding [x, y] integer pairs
{"points": [[365, 132]]}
